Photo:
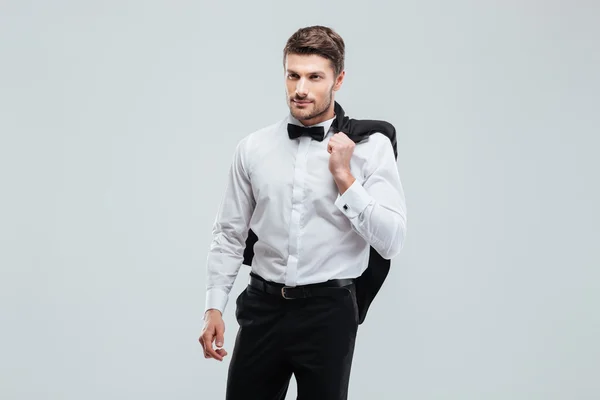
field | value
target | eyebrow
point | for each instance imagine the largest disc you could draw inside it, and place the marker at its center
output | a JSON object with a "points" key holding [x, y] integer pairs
{"points": [[310, 73]]}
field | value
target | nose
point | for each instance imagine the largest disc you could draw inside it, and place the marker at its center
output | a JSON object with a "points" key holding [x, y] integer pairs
{"points": [[301, 88]]}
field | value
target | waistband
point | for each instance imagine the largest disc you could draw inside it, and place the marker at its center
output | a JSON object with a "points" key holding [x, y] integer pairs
{"points": [[300, 291]]}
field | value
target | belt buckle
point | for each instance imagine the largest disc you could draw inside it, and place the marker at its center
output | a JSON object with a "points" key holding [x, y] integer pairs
{"points": [[283, 292]]}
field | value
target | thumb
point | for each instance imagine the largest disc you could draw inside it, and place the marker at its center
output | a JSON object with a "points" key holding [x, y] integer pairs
{"points": [[220, 335]]}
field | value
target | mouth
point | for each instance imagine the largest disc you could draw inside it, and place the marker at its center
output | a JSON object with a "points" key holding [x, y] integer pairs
{"points": [[301, 102]]}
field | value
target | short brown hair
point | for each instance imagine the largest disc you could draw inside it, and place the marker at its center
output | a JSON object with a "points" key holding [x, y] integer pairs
{"points": [[319, 40]]}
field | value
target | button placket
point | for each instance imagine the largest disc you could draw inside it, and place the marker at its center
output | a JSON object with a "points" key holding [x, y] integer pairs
{"points": [[295, 233]]}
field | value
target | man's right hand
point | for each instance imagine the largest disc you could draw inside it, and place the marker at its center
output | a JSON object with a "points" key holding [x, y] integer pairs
{"points": [[214, 328]]}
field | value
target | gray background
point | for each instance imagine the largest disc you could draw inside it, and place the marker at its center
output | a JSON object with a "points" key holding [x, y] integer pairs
{"points": [[118, 123]]}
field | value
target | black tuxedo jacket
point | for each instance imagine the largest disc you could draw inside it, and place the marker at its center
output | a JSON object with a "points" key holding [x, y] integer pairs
{"points": [[369, 283]]}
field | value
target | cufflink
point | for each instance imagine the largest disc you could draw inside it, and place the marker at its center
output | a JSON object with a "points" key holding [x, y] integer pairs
{"points": [[345, 207]]}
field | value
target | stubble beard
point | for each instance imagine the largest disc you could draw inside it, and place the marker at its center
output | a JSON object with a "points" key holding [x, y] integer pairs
{"points": [[303, 115]]}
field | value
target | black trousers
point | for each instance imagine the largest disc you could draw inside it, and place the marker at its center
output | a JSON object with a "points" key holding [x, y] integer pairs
{"points": [[312, 338]]}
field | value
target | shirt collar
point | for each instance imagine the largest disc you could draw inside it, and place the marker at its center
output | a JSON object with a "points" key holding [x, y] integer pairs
{"points": [[325, 124]]}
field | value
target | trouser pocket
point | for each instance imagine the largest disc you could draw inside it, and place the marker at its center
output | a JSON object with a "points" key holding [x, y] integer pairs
{"points": [[351, 295]]}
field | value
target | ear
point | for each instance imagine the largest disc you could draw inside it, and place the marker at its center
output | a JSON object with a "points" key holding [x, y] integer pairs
{"points": [[339, 80]]}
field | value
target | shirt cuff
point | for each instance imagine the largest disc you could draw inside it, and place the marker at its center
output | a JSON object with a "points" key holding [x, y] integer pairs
{"points": [[354, 200], [216, 298]]}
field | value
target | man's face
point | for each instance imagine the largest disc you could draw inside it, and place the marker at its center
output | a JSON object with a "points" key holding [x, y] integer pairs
{"points": [[310, 83]]}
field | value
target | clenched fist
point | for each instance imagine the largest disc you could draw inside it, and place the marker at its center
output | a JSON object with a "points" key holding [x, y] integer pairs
{"points": [[341, 148]]}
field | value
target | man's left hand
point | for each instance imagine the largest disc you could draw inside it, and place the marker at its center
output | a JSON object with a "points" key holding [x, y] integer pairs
{"points": [[340, 147]]}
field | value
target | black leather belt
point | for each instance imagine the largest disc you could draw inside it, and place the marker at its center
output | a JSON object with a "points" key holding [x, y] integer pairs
{"points": [[297, 292]]}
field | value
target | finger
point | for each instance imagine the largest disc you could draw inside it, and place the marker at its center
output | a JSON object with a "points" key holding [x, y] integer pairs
{"points": [[208, 349], [201, 340], [342, 141], [220, 335], [204, 351], [217, 356], [222, 352], [211, 353], [338, 141], [341, 136]]}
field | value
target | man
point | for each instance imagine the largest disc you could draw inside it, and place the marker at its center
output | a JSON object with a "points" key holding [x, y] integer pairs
{"points": [[317, 202]]}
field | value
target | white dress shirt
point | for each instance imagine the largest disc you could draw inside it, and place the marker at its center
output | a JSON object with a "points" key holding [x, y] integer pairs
{"points": [[282, 189]]}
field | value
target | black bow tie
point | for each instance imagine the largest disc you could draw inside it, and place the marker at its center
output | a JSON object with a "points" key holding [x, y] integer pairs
{"points": [[315, 132]]}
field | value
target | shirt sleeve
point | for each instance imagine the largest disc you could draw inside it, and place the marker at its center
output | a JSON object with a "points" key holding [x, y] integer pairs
{"points": [[377, 207], [230, 231]]}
